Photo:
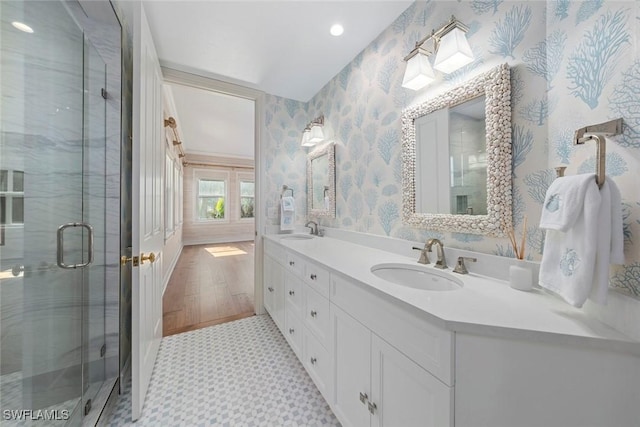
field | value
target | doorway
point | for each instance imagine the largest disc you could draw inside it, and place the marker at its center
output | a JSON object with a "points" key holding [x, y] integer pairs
{"points": [[217, 277], [55, 263]]}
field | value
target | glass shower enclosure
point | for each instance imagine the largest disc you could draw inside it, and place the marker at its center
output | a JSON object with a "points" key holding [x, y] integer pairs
{"points": [[53, 161]]}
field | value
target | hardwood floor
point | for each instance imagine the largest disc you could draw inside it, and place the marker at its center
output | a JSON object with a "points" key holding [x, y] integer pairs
{"points": [[210, 284]]}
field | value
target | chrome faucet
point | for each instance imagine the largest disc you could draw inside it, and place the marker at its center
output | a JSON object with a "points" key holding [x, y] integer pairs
{"points": [[314, 228], [442, 262]]}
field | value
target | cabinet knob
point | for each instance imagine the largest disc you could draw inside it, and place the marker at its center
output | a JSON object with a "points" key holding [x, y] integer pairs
{"points": [[292, 293], [313, 277], [291, 330], [292, 263], [372, 407], [313, 360], [363, 397], [270, 289], [314, 313]]}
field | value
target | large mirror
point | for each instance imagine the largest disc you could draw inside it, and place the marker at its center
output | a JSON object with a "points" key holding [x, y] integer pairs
{"points": [[456, 153], [321, 181]]}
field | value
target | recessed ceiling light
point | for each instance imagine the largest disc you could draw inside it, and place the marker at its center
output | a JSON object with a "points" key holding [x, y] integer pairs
{"points": [[336, 30], [22, 27]]}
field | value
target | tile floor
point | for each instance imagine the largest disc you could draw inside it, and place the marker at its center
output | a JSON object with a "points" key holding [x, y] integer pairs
{"points": [[241, 373]]}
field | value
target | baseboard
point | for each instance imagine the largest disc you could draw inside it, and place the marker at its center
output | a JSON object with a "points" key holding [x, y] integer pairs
{"points": [[174, 261], [214, 241]]}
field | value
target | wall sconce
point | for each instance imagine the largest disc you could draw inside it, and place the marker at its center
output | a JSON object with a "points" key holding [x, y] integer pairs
{"points": [[452, 51], [313, 133]]}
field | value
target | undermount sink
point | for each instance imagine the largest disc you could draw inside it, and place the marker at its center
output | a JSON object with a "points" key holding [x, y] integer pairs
{"points": [[297, 237], [417, 277]]}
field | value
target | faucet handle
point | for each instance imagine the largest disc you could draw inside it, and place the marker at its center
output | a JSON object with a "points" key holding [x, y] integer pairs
{"points": [[461, 267], [424, 258]]}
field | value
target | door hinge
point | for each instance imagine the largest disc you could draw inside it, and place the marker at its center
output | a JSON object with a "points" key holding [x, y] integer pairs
{"points": [[103, 92], [103, 350], [87, 407]]}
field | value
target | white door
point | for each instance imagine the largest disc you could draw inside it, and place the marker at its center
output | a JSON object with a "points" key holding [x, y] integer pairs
{"points": [[404, 393], [351, 351], [147, 229]]}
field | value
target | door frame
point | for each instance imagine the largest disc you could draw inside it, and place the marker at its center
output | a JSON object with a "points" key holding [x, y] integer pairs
{"points": [[171, 75]]}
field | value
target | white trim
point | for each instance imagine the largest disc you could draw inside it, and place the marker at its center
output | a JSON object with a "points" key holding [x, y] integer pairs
{"points": [[211, 174], [217, 240], [213, 154], [170, 270], [207, 83]]}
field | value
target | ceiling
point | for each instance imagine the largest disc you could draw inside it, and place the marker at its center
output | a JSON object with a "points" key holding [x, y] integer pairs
{"points": [[280, 47], [212, 123]]}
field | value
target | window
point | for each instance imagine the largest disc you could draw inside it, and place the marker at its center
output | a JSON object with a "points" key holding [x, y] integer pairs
{"points": [[247, 196], [211, 195], [11, 197]]}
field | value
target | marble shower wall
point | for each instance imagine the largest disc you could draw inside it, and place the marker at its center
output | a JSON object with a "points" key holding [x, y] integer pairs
{"points": [[545, 44]]}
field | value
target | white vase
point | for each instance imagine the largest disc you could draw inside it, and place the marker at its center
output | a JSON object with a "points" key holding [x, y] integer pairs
{"points": [[521, 276]]}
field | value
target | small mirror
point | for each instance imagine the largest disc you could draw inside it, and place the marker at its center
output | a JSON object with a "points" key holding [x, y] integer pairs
{"points": [[457, 158], [321, 181]]}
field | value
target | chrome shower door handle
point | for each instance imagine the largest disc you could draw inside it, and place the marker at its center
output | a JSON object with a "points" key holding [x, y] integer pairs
{"points": [[60, 246]]}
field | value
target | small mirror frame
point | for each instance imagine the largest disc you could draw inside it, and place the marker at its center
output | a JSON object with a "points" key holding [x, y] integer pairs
{"points": [[495, 85], [329, 151]]}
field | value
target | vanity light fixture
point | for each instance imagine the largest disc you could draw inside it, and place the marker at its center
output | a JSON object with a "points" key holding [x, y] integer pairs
{"points": [[305, 137], [452, 51], [313, 133]]}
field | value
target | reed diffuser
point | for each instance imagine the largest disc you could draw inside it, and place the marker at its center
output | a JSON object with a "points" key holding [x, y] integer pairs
{"points": [[520, 275], [518, 250]]}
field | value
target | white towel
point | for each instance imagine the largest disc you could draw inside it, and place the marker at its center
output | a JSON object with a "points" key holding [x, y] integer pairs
{"points": [[287, 213], [610, 246], [584, 235], [570, 215]]}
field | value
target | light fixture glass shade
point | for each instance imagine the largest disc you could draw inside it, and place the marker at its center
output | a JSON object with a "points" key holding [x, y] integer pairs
{"points": [[418, 73], [316, 134], [305, 139], [454, 52]]}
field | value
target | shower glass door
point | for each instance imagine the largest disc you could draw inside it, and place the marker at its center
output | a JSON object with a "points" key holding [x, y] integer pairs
{"points": [[52, 183]]}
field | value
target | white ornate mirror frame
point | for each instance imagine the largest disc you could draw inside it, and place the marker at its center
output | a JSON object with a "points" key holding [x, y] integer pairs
{"points": [[495, 85], [329, 151]]}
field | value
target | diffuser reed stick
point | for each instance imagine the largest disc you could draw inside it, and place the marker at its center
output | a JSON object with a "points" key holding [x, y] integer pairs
{"points": [[519, 250]]}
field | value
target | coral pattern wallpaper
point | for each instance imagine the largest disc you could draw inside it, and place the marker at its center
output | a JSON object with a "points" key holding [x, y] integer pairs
{"points": [[573, 63]]}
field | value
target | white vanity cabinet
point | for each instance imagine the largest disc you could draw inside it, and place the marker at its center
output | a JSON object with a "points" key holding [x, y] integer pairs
{"points": [[382, 361], [375, 384], [302, 292]]}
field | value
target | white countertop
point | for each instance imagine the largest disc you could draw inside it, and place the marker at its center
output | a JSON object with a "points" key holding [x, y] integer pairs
{"points": [[483, 305]]}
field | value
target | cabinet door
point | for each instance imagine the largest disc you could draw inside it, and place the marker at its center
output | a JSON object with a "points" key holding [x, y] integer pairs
{"points": [[274, 290], [268, 289], [351, 352], [404, 393], [278, 296]]}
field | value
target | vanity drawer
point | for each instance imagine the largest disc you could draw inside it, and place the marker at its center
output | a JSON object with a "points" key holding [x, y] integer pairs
{"points": [[294, 264], [275, 251], [293, 333], [318, 278], [317, 362], [316, 315], [293, 294], [426, 344]]}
